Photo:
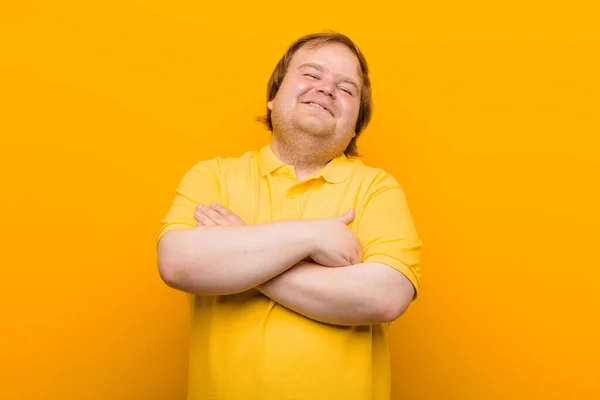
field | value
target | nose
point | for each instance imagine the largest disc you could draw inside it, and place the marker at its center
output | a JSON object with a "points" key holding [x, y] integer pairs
{"points": [[326, 88]]}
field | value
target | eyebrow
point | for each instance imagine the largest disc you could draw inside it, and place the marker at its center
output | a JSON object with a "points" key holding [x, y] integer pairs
{"points": [[321, 69]]}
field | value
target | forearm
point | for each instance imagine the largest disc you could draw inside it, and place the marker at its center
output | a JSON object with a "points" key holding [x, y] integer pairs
{"points": [[361, 294], [230, 259]]}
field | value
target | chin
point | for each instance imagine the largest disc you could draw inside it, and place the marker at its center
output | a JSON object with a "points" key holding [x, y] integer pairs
{"points": [[315, 126], [316, 129]]}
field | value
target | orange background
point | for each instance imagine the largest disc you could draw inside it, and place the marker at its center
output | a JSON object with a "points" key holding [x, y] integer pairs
{"points": [[487, 113]]}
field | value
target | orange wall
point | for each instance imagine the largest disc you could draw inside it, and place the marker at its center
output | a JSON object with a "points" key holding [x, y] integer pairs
{"points": [[487, 112]]}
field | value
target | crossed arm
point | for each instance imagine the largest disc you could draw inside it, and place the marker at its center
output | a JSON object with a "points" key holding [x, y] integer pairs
{"points": [[224, 256], [360, 294]]}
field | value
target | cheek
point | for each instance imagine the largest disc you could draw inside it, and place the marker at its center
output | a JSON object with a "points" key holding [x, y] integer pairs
{"points": [[288, 93], [301, 86], [351, 108]]}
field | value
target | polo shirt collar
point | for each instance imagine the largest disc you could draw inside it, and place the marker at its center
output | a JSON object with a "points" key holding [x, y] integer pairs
{"points": [[337, 170], [267, 161]]}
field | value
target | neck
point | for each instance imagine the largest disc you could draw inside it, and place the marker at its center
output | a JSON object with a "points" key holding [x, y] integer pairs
{"points": [[307, 154]]}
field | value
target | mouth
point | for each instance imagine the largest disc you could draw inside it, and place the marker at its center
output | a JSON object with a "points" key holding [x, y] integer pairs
{"points": [[319, 106]]}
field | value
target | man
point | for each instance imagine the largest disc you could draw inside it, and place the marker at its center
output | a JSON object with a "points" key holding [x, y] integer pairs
{"points": [[297, 257]]}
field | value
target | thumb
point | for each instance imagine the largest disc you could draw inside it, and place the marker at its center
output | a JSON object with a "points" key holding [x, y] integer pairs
{"points": [[347, 218]]}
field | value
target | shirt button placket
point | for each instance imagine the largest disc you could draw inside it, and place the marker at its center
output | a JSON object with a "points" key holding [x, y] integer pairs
{"points": [[291, 203]]}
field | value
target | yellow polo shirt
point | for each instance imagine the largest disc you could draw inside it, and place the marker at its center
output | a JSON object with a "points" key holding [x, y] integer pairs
{"points": [[246, 346]]}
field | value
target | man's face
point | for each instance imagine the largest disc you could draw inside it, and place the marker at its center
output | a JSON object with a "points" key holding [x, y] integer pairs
{"points": [[320, 93]]}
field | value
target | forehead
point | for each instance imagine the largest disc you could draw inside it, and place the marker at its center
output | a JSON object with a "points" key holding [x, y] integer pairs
{"points": [[337, 58]]}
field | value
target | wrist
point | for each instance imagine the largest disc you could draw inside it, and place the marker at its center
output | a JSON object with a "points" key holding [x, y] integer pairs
{"points": [[308, 238]]}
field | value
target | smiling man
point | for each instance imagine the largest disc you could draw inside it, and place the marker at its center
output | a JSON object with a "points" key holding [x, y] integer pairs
{"points": [[296, 257]]}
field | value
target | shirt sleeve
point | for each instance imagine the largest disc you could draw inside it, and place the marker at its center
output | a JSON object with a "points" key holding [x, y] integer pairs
{"points": [[387, 231], [199, 185]]}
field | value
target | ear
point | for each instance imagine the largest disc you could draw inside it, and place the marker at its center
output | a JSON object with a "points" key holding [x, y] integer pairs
{"points": [[353, 135], [270, 105]]}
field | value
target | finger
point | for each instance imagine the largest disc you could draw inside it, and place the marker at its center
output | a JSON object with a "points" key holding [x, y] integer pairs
{"points": [[212, 214], [227, 213], [220, 209], [359, 253], [348, 217], [199, 217], [357, 258], [359, 250], [203, 219], [198, 214]]}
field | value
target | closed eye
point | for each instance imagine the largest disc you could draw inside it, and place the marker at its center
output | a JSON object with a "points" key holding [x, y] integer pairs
{"points": [[346, 91], [312, 76]]}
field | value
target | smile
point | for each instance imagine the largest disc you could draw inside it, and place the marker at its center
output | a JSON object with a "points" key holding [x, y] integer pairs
{"points": [[318, 106]]}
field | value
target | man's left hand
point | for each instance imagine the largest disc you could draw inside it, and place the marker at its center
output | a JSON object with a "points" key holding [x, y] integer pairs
{"points": [[216, 215]]}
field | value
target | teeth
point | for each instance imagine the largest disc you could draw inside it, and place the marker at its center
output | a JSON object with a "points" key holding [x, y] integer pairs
{"points": [[318, 105]]}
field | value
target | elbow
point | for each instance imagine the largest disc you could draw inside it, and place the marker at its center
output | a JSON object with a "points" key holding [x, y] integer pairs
{"points": [[178, 271], [168, 269], [170, 266], [393, 305], [391, 311], [175, 274]]}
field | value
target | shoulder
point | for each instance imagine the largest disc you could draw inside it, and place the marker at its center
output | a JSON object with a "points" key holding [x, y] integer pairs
{"points": [[373, 178], [219, 163], [212, 170]]}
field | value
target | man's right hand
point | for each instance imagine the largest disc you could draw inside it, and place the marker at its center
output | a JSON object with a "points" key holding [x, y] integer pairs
{"points": [[335, 243]]}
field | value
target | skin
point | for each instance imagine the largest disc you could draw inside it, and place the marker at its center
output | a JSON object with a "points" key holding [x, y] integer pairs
{"points": [[352, 294], [313, 267], [305, 135]]}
